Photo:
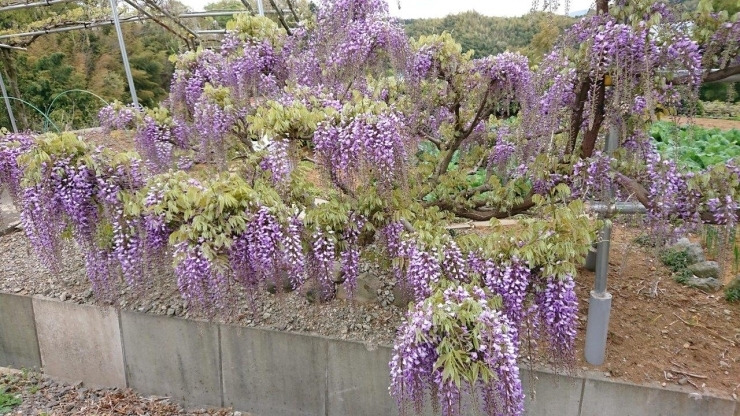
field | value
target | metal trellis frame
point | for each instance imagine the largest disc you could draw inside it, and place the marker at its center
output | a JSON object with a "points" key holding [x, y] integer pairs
{"points": [[155, 13], [79, 26], [7, 105], [124, 55], [20, 6], [146, 13]]}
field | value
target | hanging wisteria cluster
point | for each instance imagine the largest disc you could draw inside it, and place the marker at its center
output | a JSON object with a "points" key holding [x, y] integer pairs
{"points": [[528, 297], [364, 145], [394, 137], [11, 172], [483, 335], [75, 189]]}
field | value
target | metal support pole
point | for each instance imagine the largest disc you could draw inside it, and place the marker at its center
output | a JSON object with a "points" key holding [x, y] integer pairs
{"points": [[7, 104], [591, 260], [124, 55], [607, 210], [260, 8], [600, 301]]}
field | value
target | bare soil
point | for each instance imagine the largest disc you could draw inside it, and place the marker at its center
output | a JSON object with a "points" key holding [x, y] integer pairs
{"points": [[718, 123], [681, 336], [41, 395], [117, 140]]}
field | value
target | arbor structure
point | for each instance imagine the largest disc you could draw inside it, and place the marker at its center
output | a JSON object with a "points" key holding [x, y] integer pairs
{"points": [[341, 141], [23, 24]]}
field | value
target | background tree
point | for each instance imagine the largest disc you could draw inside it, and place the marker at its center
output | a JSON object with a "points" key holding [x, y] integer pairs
{"points": [[488, 35], [86, 60]]}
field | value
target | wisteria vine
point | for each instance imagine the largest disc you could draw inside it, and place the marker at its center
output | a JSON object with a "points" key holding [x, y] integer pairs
{"points": [[400, 136]]}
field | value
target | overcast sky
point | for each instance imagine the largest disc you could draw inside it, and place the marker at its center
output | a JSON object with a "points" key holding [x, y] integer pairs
{"points": [[439, 8], [411, 9]]}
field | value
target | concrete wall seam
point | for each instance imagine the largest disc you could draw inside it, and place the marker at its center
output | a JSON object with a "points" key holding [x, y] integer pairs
{"points": [[36, 335], [220, 365], [580, 401], [123, 350]]}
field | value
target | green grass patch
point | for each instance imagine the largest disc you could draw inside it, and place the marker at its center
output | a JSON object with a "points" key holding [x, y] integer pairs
{"points": [[644, 240], [8, 401], [678, 262], [732, 292]]}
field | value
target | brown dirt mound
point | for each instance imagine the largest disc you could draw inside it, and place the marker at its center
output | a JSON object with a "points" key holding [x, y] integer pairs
{"points": [[681, 336]]}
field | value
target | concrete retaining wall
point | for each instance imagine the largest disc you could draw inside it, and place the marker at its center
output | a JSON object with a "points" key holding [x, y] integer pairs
{"points": [[79, 342], [19, 346], [269, 372]]}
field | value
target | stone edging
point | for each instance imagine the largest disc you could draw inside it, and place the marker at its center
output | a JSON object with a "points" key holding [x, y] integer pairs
{"points": [[266, 372]]}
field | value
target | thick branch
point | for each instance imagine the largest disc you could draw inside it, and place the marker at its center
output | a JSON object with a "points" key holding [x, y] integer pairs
{"points": [[460, 135], [589, 139], [602, 6], [634, 187], [708, 217], [407, 225], [248, 6], [712, 76], [717, 76], [281, 17], [576, 119], [478, 189], [483, 215], [641, 194], [480, 215], [292, 10]]}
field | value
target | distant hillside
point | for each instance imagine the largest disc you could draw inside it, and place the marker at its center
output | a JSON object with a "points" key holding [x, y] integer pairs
{"points": [[488, 35], [578, 13]]}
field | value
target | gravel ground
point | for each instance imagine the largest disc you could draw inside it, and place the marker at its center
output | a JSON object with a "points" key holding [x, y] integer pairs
{"points": [[40, 395], [373, 322]]}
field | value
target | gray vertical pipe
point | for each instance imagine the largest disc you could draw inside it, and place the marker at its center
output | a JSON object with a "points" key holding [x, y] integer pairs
{"points": [[260, 8], [600, 301], [7, 104], [124, 55], [591, 260]]}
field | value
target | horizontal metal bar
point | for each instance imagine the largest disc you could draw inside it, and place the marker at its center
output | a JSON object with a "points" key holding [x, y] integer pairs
{"points": [[4, 46], [19, 6], [616, 208], [211, 32], [211, 13], [192, 15], [87, 25]]}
